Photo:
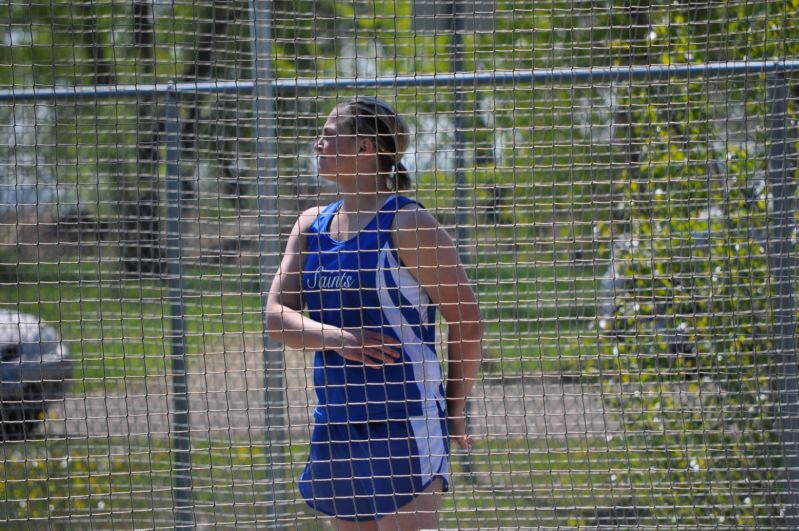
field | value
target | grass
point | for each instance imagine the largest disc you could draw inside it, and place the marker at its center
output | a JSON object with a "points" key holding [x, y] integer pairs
{"points": [[126, 483], [119, 329], [510, 483], [540, 319], [539, 482]]}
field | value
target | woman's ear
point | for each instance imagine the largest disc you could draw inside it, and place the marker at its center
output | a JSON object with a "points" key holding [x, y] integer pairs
{"points": [[366, 146]]}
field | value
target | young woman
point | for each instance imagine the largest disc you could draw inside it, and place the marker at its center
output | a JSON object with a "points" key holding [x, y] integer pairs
{"points": [[371, 269]]}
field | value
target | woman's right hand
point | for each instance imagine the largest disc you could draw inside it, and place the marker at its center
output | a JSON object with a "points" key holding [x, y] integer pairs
{"points": [[371, 348]]}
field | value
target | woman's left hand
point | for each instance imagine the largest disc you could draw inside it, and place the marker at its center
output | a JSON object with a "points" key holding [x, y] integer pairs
{"points": [[457, 432]]}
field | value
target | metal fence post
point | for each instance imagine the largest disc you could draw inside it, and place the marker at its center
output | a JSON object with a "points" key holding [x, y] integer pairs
{"points": [[179, 417], [269, 245], [782, 266], [456, 54], [462, 232]]}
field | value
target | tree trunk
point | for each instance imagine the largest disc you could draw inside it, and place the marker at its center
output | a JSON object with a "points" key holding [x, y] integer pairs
{"points": [[141, 246], [201, 68], [102, 68]]}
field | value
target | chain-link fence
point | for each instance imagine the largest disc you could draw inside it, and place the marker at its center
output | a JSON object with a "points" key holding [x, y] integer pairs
{"points": [[619, 177]]}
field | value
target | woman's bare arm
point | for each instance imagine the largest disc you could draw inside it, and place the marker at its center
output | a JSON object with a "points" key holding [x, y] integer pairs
{"points": [[287, 324], [429, 253]]}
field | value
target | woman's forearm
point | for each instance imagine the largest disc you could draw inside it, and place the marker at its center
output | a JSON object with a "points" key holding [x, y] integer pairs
{"points": [[295, 330], [464, 355]]}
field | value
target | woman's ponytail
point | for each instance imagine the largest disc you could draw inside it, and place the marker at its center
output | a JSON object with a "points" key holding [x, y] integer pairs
{"points": [[402, 179]]}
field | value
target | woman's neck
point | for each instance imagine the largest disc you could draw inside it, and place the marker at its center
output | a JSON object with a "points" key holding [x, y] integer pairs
{"points": [[366, 201], [355, 212]]}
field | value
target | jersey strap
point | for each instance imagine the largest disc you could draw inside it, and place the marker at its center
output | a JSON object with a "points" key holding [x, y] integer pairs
{"points": [[390, 209], [323, 218]]}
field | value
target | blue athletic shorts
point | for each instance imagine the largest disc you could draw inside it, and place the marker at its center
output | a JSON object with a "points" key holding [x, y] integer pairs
{"points": [[366, 470]]}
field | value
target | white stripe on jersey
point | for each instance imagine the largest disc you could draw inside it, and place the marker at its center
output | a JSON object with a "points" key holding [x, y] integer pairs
{"points": [[429, 440], [426, 367]]}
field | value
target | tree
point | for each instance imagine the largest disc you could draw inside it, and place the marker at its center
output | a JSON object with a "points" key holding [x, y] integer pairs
{"points": [[140, 195], [689, 345]]}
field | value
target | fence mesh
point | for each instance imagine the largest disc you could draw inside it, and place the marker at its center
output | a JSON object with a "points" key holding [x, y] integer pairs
{"points": [[630, 236]]}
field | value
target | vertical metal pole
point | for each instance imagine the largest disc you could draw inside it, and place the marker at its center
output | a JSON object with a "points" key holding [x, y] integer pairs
{"points": [[456, 57], [268, 232], [783, 271], [179, 430], [461, 212]]}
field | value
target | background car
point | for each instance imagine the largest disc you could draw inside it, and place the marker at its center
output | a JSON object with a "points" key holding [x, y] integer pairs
{"points": [[34, 370]]}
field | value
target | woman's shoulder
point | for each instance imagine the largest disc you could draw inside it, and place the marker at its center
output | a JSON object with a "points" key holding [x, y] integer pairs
{"points": [[307, 217], [416, 229], [413, 216]]}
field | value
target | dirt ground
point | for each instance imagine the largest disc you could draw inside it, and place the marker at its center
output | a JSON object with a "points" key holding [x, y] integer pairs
{"points": [[226, 383], [226, 401]]}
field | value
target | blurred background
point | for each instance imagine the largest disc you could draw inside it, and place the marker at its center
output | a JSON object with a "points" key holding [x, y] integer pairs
{"points": [[620, 177]]}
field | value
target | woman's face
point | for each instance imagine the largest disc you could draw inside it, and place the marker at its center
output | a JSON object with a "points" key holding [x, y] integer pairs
{"points": [[336, 150]]}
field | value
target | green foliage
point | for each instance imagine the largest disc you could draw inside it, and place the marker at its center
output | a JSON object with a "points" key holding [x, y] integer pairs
{"points": [[690, 366], [688, 354], [126, 481]]}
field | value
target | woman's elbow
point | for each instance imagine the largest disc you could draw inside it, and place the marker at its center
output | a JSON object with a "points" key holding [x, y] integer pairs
{"points": [[477, 329], [274, 324], [471, 331]]}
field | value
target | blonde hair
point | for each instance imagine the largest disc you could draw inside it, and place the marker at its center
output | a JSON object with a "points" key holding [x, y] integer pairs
{"points": [[374, 118]]}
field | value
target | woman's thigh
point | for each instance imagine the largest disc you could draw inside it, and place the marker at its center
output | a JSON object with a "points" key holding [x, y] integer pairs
{"points": [[421, 513], [346, 525]]}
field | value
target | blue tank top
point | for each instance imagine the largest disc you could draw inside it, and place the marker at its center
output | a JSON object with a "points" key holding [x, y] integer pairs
{"points": [[360, 283]]}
